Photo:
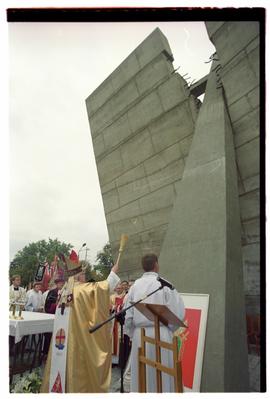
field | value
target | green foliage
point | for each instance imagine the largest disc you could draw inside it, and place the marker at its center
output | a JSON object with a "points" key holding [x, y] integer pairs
{"points": [[26, 260], [96, 273], [104, 262], [89, 274], [102, 272], [104, 257], [29, 383]]}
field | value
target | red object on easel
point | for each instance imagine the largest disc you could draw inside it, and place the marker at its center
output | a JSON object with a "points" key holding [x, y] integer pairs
{"points": [[193, 319]]}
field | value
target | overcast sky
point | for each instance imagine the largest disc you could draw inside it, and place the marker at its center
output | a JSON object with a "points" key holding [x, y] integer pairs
{"points": [[53, 67]]}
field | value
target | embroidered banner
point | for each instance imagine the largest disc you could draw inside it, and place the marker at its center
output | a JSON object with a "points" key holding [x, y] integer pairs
{"points": [[59, 351]]}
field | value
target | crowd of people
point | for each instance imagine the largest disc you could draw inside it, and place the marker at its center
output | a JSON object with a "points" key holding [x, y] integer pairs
{"points": [[33, 298], [37, 301]]}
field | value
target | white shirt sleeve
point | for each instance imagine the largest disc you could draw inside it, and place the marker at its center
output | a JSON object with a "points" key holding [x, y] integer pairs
{"points": [[113, 280]]}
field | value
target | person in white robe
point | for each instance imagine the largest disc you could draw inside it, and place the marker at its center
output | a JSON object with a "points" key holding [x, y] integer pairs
{"points": [[135, 321], [34, 299], [16, 292]]}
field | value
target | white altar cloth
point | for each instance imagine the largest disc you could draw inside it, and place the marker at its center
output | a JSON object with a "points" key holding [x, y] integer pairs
{"points": [[33, 323]]}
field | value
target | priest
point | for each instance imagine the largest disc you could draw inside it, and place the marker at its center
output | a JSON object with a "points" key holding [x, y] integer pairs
{"points": [[80, 362], [16, 292], [136, 320]]}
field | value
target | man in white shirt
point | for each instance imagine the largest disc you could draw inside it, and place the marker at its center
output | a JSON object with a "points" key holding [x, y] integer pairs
{"points": [[136, 320], [35, 300]]}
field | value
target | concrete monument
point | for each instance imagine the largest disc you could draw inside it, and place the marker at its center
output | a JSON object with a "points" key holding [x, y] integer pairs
{"points": [[182, 180]]}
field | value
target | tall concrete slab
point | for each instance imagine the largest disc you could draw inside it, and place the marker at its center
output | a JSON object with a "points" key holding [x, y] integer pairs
{"points": [[237, 46], [142, 121], [201, 252]]}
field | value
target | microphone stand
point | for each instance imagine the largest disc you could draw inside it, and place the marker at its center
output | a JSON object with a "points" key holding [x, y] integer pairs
{"points": [[120, 317]]}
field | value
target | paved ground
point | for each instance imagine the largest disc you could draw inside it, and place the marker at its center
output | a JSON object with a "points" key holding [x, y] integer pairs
{"points": [[254, 375], [115, 383]]}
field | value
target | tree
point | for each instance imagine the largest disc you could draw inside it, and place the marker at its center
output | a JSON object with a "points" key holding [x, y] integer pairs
{"points": [[104, 257], [104, 263], [90, 273], [26, 260]]}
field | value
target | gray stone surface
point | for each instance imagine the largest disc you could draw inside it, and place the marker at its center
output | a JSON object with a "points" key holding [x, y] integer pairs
{"points": [[115, 380], [212, 27], [254, 372], [248, 158], [247, 128], [251, 183], [244, 31], [201, 251], [155, 45], [251, 254], [142, 121], [253, 304], [173, 126], [251, 231], [237, 46], [137, 149], [245, 104], [250, 206]]}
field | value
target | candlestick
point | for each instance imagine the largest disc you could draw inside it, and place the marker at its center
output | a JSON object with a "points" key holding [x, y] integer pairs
{"points": [[20, 313], [13, 311]]}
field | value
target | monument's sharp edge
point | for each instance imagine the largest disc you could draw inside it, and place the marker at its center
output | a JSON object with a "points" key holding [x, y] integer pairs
{"points": [[154, 45]]}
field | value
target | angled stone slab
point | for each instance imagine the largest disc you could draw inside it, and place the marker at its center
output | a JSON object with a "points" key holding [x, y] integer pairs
{"points": [[142, 120], [201, 252]]}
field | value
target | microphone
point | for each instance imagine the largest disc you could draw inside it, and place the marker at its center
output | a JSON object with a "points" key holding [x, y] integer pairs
{"points": [[165, 283]]}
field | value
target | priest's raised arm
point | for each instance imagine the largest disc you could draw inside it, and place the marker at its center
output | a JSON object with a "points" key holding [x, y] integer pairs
{"points": [[113, 279]]}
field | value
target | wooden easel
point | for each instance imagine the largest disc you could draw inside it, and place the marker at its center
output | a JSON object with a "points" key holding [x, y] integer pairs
{"points": [[157, 314]]}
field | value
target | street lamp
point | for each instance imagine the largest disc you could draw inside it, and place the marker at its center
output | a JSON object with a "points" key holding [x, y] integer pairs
{"points": [[86, 250], [84, 244]]}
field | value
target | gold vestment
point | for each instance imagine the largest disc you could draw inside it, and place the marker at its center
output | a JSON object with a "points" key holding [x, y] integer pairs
{"points": [[88, 367]]}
